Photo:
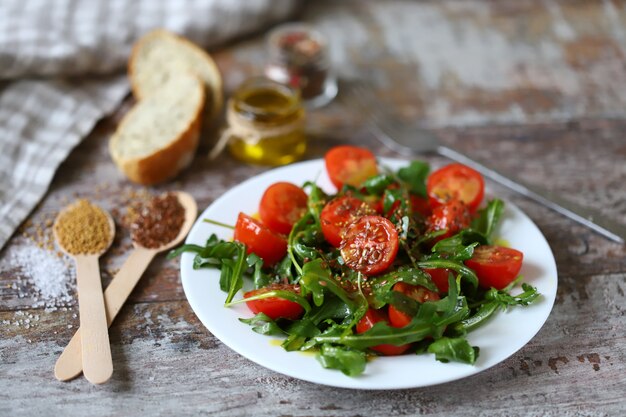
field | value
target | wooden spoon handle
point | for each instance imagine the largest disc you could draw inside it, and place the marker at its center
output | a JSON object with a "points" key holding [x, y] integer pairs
{"points": [[70, 365], [96, 350]]}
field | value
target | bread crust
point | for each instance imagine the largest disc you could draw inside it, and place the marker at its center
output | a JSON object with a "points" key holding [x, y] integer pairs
{"points": [[214, 95], [167, 162]]}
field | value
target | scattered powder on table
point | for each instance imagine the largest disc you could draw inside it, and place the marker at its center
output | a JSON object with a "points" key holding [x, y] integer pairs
{"points": [[157, 222], [42, 276], [83, 228]]}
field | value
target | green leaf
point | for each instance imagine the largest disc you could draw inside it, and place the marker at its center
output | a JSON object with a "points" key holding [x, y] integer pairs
{"points": [[317, 280], [349, 361], [382, 284], [316, 201], [381, 333], [184, 248], [262, 324], [233, 278], [284, 294], [454, 349], [467, 273], [260, 278], [453, 248], [488, 218], [377, 184], [415, 176], [505, 299], [482, 314], [390, 197]]}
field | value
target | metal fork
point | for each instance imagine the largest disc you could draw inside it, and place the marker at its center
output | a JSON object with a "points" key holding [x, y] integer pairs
{"points": [[410, 138]]}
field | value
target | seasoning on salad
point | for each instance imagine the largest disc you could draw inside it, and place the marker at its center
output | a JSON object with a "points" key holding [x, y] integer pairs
{"points": [[298, 56], [158, 222], [265, 124], [394, 262], [83, 228]]}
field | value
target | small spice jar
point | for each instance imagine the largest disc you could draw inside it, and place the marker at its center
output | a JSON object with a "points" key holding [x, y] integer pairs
{"points": [[298, 56], [265, 123]]}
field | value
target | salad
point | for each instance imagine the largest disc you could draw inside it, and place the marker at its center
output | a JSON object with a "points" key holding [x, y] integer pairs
{"points": [[395, 262]]}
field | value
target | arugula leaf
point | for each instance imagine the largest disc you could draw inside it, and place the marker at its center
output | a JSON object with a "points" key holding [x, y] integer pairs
{"points": [[453, 248], [284, 294], [504, 299], [488, 218], [259, 278], [300, 330], [318, 280], [349, 361], [481, 315], [456, 266], [391, 196], [296, 244], [382, 333], [263, 324], [382, 284], [316, 201], [377, 184], [415, 176], [454, 349], [231, 277], [492, 301]]}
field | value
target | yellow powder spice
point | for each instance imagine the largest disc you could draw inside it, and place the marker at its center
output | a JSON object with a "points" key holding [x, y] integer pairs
{"points": [[83, 228]]}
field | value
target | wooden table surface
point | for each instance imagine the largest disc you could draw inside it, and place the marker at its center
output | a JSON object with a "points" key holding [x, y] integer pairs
{"points": [[533, 88]]}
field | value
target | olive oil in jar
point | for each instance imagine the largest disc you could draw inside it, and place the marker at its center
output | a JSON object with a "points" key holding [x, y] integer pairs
{"points": [[266, 120]]}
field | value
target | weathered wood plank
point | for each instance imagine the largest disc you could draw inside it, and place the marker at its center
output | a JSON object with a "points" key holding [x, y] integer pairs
{"points": [[535, 80]]}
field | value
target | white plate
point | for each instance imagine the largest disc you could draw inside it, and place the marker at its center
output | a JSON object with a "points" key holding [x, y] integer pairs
{"points": [[500, 338]]}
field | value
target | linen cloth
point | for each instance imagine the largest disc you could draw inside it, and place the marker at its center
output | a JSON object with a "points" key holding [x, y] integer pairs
{"points": [[62, 68]]}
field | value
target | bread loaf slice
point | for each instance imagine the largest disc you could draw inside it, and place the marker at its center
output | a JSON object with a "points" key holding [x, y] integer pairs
{"points": [[158, 137], [160, 54]]}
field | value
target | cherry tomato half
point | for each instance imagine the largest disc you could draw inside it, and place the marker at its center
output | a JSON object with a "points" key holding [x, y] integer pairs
{"points": [[495, 266], [350, 165], [367, 322], [282, 205], [440, 278], [275, 307], [420, 294], [260, 240], [456, 182], [369, 244], [452, 216], [338, 213]]}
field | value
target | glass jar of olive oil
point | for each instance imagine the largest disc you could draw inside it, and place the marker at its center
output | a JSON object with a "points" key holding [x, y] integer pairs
{"points": [[266, 123]]}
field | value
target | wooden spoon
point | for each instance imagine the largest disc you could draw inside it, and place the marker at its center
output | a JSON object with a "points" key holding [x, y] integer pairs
{"points": [[69, 364], [94, 342]]}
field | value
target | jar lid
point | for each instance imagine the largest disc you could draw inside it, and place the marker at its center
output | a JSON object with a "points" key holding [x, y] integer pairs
{"points": [[297, 43]]}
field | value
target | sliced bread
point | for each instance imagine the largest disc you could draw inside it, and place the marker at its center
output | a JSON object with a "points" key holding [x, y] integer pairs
{"points": [[158, 137], [160, 54]]}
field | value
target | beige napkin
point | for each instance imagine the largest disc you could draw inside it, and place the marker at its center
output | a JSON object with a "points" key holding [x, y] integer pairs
{"points": [[62, 66]]}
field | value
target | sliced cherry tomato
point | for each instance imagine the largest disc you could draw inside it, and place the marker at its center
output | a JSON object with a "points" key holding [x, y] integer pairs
{"points": [[282, 205], [260, 240], [452, 216], [367, 322], [420, 205], [275, 307], [495, 266], [440, 278], [338, 213], [456, 182], [370, 244], [350, 165], [420, 294]]}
